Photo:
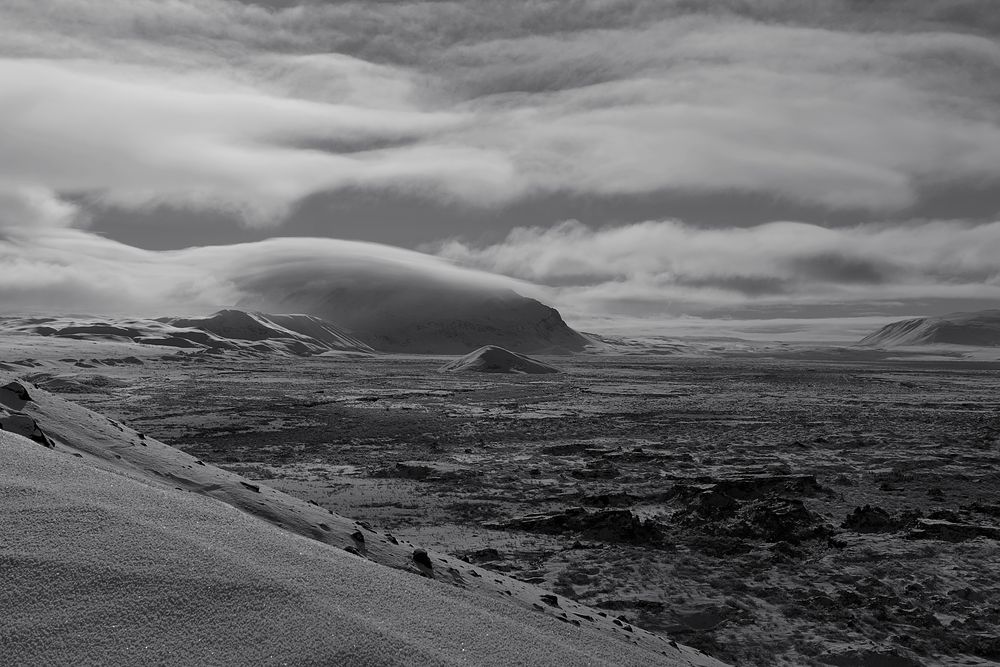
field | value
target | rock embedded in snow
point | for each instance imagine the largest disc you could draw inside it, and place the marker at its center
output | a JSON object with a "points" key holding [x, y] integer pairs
{"points": [[14, 395], [493, 359], [420, 556]]}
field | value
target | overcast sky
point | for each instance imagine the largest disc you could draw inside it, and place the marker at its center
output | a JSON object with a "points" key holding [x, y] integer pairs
{"points": [[631, 158]]}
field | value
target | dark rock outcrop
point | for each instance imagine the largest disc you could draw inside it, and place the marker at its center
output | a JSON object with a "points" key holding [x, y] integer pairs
{"points": [[753, 507], [869, 519], [604, 526]]}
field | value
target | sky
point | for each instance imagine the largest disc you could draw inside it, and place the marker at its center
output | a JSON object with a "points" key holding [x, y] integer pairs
{"points": [[640, 161]]}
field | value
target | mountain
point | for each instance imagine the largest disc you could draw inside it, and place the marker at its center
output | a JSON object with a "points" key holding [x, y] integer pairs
{"points": [[408, 310], [232, 330], [493, 359], [131, 551], [312, 334], [981, 328]]}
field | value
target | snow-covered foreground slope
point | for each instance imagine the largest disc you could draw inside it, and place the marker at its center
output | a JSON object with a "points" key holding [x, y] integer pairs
{"points": [[980, 328], [108, 557]]}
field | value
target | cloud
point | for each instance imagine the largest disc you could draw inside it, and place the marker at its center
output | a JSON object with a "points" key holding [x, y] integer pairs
{"points": [[252, 108], [114, 133], [54, 268], [670, 268], [27, 205], [639, 276]]}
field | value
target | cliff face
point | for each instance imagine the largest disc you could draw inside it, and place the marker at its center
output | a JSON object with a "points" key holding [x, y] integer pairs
{"points": [[981, 329]]}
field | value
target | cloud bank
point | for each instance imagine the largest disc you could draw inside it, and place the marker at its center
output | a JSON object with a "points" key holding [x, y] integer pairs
{"points": [[652, 272], [50, 267], [670, 268], [251, 108]]}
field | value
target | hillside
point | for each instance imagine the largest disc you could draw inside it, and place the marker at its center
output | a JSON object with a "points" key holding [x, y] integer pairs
{"points": [[403, 307], [493, 359], [226, 330], [981, 328]]}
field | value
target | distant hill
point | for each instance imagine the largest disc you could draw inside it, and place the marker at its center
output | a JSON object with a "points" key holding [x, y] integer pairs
{"points": [[981, 329], [226, 330], [493, 359]]}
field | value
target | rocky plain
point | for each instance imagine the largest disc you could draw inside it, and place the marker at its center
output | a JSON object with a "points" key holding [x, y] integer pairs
{"points": [[770, 505]]}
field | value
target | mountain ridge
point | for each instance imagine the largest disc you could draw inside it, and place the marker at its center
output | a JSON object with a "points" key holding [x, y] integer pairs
{"points": [[226, 330], [975, 329]]}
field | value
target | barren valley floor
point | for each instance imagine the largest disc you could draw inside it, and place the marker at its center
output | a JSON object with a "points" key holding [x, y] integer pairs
{"points": [[768, 510]]}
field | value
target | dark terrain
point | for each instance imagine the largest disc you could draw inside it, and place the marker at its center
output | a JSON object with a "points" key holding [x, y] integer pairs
{"points": [[766, 510]]}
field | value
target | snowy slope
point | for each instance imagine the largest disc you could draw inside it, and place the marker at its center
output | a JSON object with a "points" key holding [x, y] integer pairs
{"points": [[232, 330], [980, 328], [78, 527], [493, 359]]}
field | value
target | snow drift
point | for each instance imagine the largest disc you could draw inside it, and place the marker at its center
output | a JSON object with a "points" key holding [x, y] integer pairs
{"points": [[493, 359], [116, 552], [981, 328]]}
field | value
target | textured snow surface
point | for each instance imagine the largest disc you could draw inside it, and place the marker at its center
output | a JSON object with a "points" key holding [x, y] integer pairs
{"points": [[101, 568]]}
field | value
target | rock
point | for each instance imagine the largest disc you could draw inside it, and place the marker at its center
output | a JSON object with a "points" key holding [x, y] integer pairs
{"points": [[983, 508], [759, 507], [949, 531], [481, 556], [22, 424], [596, 470], [868, 657], [420, 557], [606, 526], [769, 519], [869, 519], [14, 396], [573, 449], [620, 499], [426, 471], [780, 519], [749, 487]]}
